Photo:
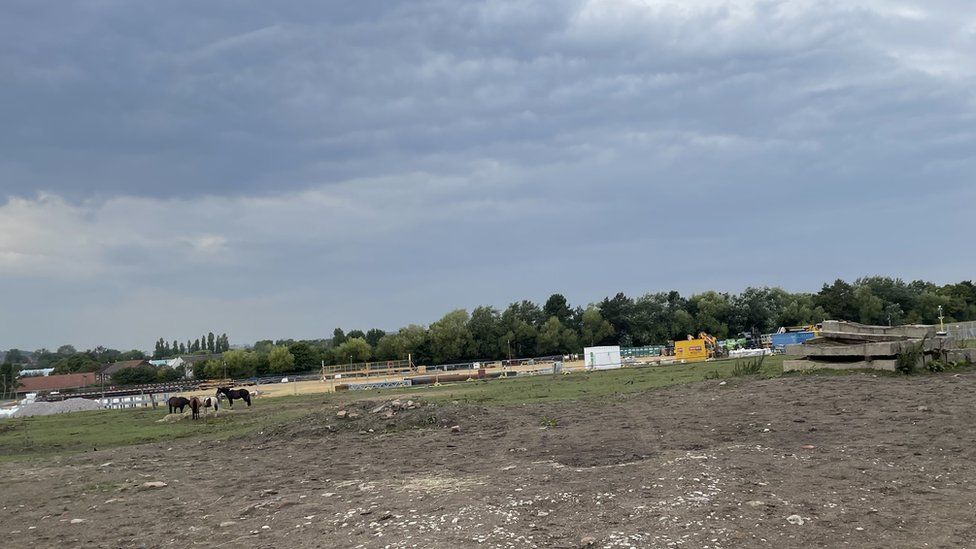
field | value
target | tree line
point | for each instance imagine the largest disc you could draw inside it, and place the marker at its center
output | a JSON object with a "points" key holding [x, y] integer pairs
{"points": [[526, 329], [206, 344]]}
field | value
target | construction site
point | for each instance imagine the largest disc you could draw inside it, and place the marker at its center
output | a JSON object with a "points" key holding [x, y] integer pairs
{"points": [[596, 452]]}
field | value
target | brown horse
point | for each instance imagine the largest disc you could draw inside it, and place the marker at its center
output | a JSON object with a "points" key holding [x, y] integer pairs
{"points": [[195, 405], [177, 403]]}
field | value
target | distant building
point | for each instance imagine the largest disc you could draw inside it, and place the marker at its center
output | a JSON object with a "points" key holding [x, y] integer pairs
{"points": [[105, 374], [37, 384]]}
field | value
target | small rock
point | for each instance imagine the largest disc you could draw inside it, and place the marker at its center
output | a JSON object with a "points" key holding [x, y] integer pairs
{"points": [[587, 541], [341, 414], [388, 414], [265, 527], [755, 503], [923, 408], [722, 382], [352, 415], [456, 429], [153, 484], [808, 446], [106, 464], [795, 519], [77, 521], [227, 523], [378, 409]]}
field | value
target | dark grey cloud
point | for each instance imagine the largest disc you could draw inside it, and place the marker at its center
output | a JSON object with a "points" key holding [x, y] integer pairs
{"points": [[288, 167]]}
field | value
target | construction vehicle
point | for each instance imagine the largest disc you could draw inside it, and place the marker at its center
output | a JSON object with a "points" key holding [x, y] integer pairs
{"points": [[693, 349]]}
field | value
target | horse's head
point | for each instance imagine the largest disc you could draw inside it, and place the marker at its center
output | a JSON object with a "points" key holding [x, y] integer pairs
{"points": [[220, 390]]}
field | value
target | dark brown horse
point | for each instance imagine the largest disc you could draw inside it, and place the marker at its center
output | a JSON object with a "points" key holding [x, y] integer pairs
{"points": [[195, 405], [232, 394], [177, 403]]}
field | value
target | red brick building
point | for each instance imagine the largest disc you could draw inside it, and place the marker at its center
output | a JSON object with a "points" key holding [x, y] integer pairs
{"points": [[56, 383]]}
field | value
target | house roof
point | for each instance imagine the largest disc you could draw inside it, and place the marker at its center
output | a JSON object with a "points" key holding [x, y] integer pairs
{"points": [[121, 365], [52, 383]]}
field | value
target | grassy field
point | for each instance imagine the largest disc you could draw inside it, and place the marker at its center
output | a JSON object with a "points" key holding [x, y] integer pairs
{"points": [[44, 436]]}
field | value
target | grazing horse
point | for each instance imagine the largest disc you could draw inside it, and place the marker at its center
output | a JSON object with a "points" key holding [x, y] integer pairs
{"points": [[211, 402], [195, 405], [177, 403], [232, 394]]}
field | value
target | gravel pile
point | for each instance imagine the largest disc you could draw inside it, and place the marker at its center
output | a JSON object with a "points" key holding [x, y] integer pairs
{"points": [[62, 407]]}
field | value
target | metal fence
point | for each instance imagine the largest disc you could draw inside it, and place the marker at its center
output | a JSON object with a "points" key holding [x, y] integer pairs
{"points": [[961, 330]]}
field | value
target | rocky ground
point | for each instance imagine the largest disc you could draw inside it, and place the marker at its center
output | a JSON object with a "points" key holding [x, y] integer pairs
{"points": [[856, 461]]}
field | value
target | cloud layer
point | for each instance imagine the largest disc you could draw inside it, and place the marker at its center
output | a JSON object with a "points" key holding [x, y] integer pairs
{"points": [[277, 171]]}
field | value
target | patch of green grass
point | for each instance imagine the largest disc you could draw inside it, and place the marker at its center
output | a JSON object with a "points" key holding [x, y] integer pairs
{"points": [[39, 436], [590, 385], [43, 436]]}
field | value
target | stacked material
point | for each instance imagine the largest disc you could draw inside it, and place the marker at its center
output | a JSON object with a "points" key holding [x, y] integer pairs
{"points": [[843, 345], [60, 407]]}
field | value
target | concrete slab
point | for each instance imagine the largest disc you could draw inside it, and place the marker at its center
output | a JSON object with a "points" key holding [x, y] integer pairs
{"points": [[801, 365]]}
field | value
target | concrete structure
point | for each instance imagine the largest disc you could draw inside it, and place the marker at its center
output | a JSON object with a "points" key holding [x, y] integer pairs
{"points": [[851, 345], [602, 358]]}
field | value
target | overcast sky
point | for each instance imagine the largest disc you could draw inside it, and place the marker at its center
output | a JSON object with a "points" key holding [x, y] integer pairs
{"points": [[277, 169]]}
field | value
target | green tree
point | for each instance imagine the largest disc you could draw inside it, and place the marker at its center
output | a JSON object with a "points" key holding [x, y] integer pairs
{"points": [[67, 350], [450, 339], [281, 360], [338, 337], [15, 356], [485, 329], [211, 344], [305, 357], [8, 380], [557, 306], [353, 350], [554, 338], [373, 336], [712, 313], [595, 327]]}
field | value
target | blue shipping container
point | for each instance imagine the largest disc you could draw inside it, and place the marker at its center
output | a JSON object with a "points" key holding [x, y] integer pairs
{"points": [[780, 341]]}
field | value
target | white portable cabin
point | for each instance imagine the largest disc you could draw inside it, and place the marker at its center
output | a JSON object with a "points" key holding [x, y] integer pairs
{"points": [[602, 358]]}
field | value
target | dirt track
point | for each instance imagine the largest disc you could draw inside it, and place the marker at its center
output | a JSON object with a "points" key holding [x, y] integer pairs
{"points": [[704, 465]]}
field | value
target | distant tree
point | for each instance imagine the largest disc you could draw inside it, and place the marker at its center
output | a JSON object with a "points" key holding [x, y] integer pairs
{"points": [[182, 349], [837, 300], [78, 362], [166, 374], [281, 360], [356, 334], [211, 344], [557, 306], [196, 346], [15, 356], [140, 375], [485, 327], [263, 346], [373, 336], [134, 354], [554, 338], [8, 380], [353, 350], [450, 339], [338, 337], [67, 350], [305, 356], [389, 347], [595, 327]]}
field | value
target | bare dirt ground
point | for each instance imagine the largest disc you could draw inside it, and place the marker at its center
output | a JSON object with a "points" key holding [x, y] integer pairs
{"points": [[853, 461]]}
